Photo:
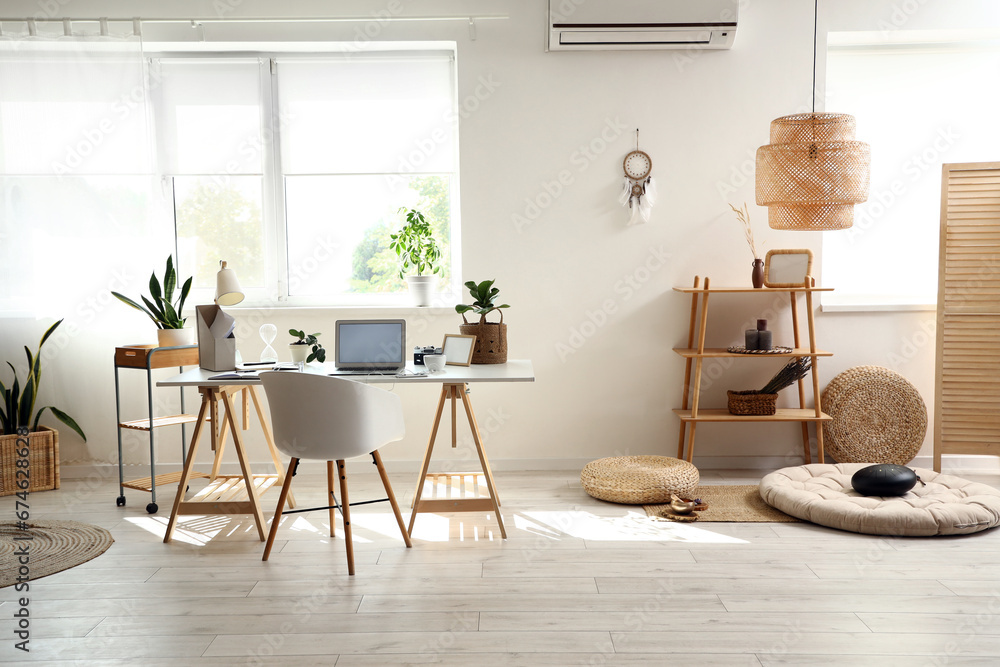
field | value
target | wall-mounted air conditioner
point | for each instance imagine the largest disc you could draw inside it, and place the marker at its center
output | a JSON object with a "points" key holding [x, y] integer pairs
{"points": [[586, 25]]}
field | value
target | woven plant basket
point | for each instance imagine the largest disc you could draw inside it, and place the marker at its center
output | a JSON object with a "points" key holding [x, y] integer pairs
{"points": [[638, 480], [878, 417], [43, 461], [751, 403], [491, 340]]}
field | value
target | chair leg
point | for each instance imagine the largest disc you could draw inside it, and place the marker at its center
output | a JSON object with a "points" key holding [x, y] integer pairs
{"points": [[392, 498], [329, 498], [346, 511], [281, 504]]}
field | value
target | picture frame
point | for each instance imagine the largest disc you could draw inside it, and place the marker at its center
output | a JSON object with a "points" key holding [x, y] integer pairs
{"points": [[458, 348], [787, 268]]}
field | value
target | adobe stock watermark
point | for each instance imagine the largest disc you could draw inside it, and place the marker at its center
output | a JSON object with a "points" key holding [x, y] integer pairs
{"points": [[911, 170], [625, 288], [425, 148], [690, 54], [580, 160]]}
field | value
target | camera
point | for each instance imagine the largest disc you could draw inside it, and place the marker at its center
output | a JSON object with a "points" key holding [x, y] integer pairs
{"points": [[419, 352]]}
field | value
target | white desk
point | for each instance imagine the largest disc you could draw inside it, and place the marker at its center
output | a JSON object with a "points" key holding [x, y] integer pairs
{"points": [[221, 497]]}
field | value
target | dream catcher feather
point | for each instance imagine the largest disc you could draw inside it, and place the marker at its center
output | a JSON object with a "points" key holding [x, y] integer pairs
{"points": [[638, 190]]}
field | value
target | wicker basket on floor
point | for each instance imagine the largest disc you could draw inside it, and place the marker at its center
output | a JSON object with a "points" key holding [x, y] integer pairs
{"points": [[751, 403], [43, 461]]}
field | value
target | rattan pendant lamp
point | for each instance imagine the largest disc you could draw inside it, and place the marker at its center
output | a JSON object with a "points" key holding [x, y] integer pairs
{"points": [[813, 172]]}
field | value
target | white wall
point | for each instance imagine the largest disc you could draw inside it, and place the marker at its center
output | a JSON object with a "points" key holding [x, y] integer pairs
{"points": [[592, 300]]}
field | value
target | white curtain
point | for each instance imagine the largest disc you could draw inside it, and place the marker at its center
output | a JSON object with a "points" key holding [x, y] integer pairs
{"points": [[82, 211]]}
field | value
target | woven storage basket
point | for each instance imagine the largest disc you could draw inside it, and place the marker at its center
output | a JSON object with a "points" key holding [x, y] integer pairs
{"points": [[878, 417], [43, 461], [491, 340], [751, 403], [638, 480]]}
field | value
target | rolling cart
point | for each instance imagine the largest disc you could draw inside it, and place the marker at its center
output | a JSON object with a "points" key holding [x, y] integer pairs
{"points": [[149, 357]]}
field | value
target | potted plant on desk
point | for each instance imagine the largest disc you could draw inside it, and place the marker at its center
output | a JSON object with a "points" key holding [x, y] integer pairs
{"points": [[491, 337], [166, 313], [40, 447], [307, 348], [416, 248]]}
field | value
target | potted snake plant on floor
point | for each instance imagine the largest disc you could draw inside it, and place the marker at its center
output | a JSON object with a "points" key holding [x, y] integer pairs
{"points": [[22, 437], [491, 337]]}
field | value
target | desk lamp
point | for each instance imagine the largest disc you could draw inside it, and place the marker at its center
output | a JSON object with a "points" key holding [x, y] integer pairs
{"points": [[227, 288]]}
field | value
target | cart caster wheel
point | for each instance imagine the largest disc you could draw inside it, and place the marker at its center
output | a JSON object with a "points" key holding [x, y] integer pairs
{"points": [[151, 508], [120, 501]]}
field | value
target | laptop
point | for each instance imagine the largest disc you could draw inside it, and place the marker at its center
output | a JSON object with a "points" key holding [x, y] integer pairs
{"points": [[370, 346]]}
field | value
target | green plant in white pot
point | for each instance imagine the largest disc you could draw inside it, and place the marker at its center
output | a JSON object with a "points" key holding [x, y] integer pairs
{"points": [[165, 311], [417, 250], [307, 348]]}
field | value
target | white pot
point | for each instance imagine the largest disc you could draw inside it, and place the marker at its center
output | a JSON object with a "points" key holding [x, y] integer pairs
{"points": [[421, 289], [174, 337], [299, 352]]}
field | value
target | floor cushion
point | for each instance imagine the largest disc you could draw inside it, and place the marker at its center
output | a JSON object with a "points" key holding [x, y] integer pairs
{"points": [[878, 416], [942, 505], [639, 480]]}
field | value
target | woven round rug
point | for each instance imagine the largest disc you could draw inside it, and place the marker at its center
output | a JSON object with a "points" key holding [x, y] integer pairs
{"points": [[53, 546], [878, 417]]}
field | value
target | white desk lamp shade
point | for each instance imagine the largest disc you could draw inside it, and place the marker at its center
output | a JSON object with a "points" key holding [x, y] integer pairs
{"points": [[227, 288]]}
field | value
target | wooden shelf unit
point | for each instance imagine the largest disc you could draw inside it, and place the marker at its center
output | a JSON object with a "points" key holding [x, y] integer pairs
{"points": [[691, 413]]}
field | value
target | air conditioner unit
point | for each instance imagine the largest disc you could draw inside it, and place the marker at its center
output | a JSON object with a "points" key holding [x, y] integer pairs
{"points": [[587, 25]]}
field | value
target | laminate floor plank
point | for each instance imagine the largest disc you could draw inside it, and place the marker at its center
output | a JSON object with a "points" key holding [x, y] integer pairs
{"points": [[888, 604], [459, 639], [986, 622], [644, 618], [770, 586], [604, 659], [268, 623], [599, 604], [317, 603]]}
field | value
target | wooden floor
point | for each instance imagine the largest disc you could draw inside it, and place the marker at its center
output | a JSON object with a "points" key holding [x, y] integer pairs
{"points": [[578, 582]]}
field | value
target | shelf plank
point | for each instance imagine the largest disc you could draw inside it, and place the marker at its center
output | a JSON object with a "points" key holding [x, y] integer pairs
{"points": [[692, 353], [172, 420], [782, 415], [750, 290], [145, 483]]}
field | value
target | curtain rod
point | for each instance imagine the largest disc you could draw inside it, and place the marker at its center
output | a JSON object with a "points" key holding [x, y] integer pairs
{"points": [[259, 19]]}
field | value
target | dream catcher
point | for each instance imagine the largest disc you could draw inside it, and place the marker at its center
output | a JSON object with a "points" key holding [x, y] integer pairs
{"points": [[638, 190]]}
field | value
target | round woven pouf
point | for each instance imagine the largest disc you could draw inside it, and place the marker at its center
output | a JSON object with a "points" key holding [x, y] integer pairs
{"points": [[878, 417], [638, 480]]}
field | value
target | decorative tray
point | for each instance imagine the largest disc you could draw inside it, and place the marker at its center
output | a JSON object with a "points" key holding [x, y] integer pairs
{"points": [[741, 349]]}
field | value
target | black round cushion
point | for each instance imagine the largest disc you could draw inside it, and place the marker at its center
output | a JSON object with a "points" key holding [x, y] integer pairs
{"points": [[884, 479]]}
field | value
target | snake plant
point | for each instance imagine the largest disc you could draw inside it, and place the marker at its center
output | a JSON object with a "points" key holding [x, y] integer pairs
{"points": [[161, 307], [18, 403]]}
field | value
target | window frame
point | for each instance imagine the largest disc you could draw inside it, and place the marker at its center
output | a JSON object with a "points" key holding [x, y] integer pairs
{"points": [[275, 293]]}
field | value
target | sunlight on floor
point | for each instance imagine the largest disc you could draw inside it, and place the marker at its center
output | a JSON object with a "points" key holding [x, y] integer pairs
{"points": [[633, 527]]}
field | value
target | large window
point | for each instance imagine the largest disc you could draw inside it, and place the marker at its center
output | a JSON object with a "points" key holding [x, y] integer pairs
{"points": [[293, 169], [918, 105]]}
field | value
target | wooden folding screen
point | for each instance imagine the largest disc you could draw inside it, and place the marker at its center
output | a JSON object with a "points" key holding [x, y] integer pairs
{"points": [[967, 390]]}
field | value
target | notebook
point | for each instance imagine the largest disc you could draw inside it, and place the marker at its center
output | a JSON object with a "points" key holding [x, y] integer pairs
{"points": [[370, 346]]}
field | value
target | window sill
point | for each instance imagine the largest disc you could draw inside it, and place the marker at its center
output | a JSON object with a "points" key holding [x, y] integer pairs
{"points": [[858, 303]]}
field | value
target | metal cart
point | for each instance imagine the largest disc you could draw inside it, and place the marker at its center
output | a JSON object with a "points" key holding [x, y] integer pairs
{"points": [[149, 357]]}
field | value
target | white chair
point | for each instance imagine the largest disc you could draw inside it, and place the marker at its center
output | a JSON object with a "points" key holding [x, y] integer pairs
{"points": [[331, 419]]}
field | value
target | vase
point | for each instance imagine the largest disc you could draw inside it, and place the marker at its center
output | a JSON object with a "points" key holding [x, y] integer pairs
{"points": [[491, 340], [299, 352], [421, 289], [758, 273], [174, 337]]}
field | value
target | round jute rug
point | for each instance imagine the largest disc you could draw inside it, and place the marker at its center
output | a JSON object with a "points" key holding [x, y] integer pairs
{"points": [[51, 546]]}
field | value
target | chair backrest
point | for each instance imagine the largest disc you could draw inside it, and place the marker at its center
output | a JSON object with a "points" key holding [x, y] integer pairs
{"points": [[330, 418]]}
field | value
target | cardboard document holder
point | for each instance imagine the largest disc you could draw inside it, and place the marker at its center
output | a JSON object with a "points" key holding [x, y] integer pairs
{"points": [[215, 354]]}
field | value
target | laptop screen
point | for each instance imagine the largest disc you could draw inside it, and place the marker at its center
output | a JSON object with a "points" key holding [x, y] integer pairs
{"points": [[368, 343]]}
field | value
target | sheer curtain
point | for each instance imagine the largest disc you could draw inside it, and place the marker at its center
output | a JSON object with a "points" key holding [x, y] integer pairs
{"points": [[82, 211]]}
